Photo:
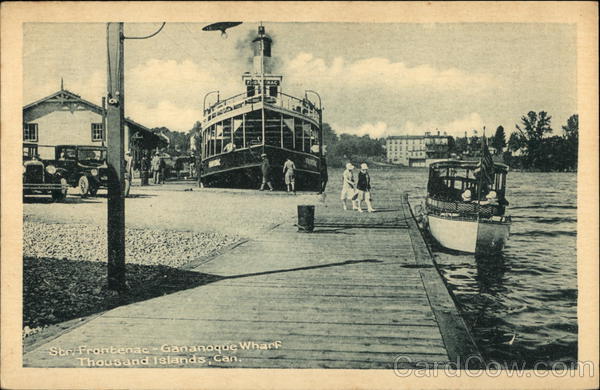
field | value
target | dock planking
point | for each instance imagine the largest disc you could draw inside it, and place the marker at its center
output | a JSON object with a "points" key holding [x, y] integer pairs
{"points": [[357, 293]]}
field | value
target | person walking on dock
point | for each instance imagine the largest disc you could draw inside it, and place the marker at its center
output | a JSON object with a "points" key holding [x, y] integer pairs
{"points": [[363, 185], [289, 173], [155, 165], [144, 169], [265, 167], [324, 176], [163, 170], [199, 171], [128, 173], [348, 187]]}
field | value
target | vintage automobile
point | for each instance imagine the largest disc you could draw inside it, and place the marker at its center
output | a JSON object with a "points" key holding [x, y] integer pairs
{"points": [[43, 177], [85, 167]]}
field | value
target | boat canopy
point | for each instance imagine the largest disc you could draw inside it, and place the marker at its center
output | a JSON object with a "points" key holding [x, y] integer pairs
{"points": [[450, 179], [471, 165]]}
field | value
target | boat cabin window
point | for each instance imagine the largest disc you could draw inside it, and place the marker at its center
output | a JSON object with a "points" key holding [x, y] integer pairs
{"points": [[272, 128], [298, 135], [253, 129], [288, 132], [250, 90], [273, 91], [238, 133]]}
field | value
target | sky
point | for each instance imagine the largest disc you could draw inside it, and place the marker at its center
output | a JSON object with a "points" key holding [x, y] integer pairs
{"points": [[378, 79]]}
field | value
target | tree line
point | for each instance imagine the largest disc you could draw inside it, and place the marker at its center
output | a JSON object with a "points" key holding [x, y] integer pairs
{"points": [[531, 147]]}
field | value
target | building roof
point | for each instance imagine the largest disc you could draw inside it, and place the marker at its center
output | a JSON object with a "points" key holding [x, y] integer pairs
{"points": [[417, 136], [63, 95], [133, 123]]}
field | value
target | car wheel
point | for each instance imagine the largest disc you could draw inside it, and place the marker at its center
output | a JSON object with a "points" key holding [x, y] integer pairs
{"points": [[84, 186]]}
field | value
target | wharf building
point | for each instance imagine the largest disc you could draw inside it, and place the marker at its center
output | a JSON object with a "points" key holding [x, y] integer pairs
{"points": [[417, 150], [64, 118]]}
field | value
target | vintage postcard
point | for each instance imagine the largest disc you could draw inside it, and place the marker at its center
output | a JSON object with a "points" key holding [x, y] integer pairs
{"points": [[299, 195]]}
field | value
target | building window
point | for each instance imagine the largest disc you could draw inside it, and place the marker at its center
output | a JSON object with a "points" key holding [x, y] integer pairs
{"points": [[97, 132], [30, 132]]}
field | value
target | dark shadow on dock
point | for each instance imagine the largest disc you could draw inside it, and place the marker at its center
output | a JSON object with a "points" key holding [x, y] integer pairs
{"points": [[135, 196], [341, 226], [384, 210], [347, 262], [48, 200], [331, 231]]}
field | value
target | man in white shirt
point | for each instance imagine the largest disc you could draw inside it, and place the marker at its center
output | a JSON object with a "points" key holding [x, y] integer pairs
{"points": [[289, 172]]}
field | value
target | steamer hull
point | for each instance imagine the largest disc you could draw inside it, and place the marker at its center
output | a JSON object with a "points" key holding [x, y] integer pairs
{"points": [[241, 169]]}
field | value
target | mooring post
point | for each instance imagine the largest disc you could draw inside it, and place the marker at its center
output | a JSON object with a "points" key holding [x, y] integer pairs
{"points": [[115, 159]]}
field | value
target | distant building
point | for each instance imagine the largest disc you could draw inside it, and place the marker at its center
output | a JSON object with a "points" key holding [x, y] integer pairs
{"points": [[64, 118], [417, 150]]}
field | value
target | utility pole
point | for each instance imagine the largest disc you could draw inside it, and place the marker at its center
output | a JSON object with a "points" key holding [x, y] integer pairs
{"points": [[115, 159]]}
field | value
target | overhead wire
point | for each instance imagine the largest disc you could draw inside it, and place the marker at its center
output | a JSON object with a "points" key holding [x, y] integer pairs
{"points": [[147, 36]]}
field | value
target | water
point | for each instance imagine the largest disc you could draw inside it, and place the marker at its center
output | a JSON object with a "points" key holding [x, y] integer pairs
{"points": [[521, 304]]}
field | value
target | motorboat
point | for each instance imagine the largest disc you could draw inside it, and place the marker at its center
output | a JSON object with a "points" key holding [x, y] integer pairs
{"points": [[466, 205]]}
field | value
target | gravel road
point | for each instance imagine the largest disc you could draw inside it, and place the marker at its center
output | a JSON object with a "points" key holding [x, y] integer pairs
{"points": [[166, 225], [143, 246]]}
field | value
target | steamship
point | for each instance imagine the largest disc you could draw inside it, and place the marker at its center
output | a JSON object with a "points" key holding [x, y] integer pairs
{"points": [[238, 130]]}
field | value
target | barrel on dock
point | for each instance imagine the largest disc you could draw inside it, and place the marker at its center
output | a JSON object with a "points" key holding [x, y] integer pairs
{"points": [[306, 218]]}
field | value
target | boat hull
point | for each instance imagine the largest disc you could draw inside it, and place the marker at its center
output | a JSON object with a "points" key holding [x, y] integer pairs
{"points": [[241, 168], [471, 236]]}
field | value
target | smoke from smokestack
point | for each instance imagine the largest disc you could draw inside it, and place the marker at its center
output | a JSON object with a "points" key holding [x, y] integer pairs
{"points": [[244, 48]]}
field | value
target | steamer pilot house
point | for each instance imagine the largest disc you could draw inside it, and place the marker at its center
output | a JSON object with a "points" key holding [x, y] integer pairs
{"points": [[262, 119]]}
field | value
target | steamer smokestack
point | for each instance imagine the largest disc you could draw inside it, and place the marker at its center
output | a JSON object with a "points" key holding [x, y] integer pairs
{"points": [[262, 52]]}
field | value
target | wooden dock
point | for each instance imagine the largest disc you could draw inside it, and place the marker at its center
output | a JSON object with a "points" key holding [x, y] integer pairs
{"points": [[360, 292]]}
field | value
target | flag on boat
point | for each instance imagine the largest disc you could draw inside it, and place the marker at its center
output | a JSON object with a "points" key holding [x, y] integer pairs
{"points": [[486, 164]]}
